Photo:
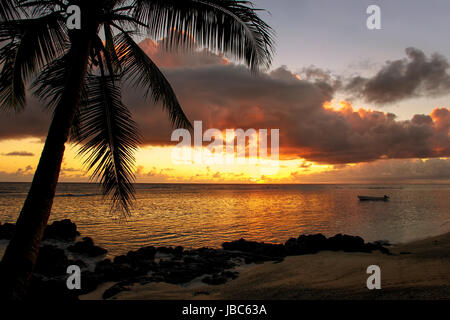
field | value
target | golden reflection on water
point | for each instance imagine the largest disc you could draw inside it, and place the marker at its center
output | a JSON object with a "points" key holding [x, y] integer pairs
{"points": [[207, 215]]}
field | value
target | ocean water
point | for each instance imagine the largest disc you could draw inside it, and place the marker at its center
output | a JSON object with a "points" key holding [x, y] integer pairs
{"points": [[195, 215]]}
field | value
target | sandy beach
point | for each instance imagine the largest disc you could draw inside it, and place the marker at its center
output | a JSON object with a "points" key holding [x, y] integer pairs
{"points": [[416, 270]]}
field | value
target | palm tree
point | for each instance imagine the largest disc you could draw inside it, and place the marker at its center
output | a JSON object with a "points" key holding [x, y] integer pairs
{"points": [[79, 75]]}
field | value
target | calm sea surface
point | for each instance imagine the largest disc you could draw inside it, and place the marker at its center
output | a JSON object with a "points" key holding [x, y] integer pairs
{"points": [[207, 215]]}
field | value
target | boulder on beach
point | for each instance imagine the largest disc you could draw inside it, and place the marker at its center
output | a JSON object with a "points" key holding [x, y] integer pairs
{"points": [[259, 248], [142, 254], [87, 247], [64, 230], [305, 244], [170, 250], [345, 243], [109, 271]]}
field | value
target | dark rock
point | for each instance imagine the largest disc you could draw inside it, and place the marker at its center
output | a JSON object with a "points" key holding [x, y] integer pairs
{"points": [[170, 250], [122, 259], [345, 243], [179, 250], [215, 279], [87, 247], [119, 271], [143, 254], [80, 263], [169, 264], [230, 274], [51, 261], [259, 248], [291, 246], [179, 276], [312, 243], [114, 272], [306, 244], [140, 261], [64, 230], [166, 250], [384, 243], [105, 266], [7, 231]]}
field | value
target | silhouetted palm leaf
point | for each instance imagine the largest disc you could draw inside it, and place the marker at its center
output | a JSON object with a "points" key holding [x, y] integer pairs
{"points": [[109, 137], [34, 44], [12, 87], [138, 68], [224, 25], [49, 85], [9, 9]]}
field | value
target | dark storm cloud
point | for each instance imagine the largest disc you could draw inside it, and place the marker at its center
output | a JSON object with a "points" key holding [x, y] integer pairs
{"points": [[415, 76]]}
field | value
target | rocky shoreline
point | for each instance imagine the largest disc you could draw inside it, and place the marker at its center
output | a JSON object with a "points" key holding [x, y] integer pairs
{"points": [[174, 265]]}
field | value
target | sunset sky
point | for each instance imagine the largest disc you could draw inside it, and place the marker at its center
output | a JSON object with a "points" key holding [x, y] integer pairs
{"points": [[351, 104]]}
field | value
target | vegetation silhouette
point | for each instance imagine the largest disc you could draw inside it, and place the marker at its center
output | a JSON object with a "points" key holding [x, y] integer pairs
{"points": [[79, 76]]}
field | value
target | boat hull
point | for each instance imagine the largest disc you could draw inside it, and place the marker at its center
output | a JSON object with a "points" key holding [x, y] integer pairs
{"points": [[368, 198]]}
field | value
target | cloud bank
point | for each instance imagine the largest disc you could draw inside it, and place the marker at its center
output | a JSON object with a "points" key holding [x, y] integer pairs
{"points": [[225, 95]]}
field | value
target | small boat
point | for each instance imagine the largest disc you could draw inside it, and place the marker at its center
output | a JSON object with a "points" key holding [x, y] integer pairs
{"points": [[369, 198]]}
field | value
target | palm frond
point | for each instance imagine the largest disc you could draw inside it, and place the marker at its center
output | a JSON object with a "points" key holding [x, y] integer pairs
{"points": [[9, 9], [108, 137], [43, 7], [34, 44], [12, 87], [110, 48], [50, 83], [229, 26], [142, 72]]}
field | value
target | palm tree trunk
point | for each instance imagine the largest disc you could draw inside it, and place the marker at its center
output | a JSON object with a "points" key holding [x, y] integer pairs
{"points": [[21, 254]]}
